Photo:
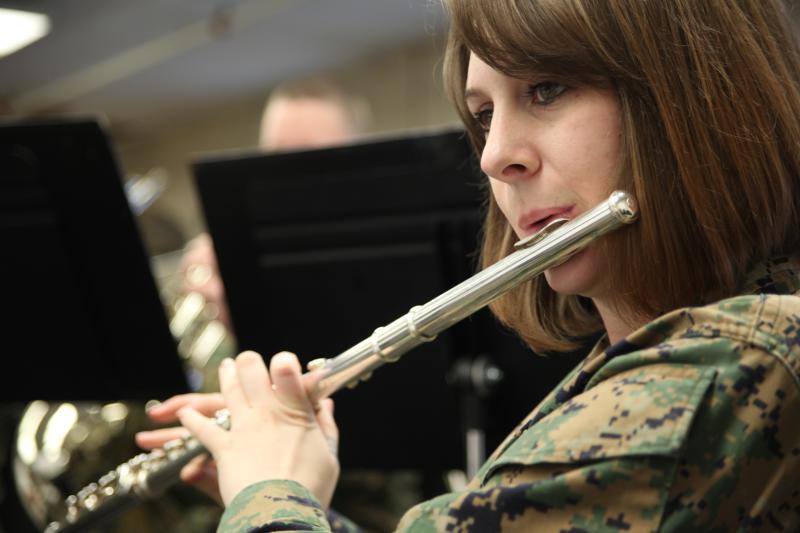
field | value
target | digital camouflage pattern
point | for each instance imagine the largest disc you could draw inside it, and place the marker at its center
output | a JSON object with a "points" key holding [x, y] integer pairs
{"points": [[689, 424]]}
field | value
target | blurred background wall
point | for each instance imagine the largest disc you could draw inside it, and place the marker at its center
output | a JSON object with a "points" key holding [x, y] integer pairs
{"points": [[174, 79]]}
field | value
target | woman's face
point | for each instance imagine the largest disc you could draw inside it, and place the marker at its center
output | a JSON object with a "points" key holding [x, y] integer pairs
{"points": [[551, 152]]}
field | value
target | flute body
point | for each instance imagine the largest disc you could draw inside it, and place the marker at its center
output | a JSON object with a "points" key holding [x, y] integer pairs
{"points": [[147, 475]]}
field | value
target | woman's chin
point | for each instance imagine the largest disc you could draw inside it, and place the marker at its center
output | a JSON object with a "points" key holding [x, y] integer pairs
{"points": [[577, 275]]}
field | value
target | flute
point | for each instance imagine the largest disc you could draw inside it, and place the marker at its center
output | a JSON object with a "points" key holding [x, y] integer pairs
{"points": [[147, 475]]}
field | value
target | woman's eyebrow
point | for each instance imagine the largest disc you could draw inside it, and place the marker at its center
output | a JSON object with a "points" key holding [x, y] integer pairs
{"points": [[472, 92]]}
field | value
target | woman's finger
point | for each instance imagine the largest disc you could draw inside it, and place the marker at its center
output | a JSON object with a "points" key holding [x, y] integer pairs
{"points": [[328, 425], [194, 469], [165, 412], [201, 472], [254, 378], [157, 438], [285, 371], [204, 429], [231, 388]]}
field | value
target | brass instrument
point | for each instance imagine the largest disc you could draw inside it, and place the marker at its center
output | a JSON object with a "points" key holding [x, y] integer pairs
{"points": [[148, 474], [59, 447]]}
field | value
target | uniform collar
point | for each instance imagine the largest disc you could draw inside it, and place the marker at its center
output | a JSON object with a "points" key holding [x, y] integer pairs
{"points": [[778, 275]]}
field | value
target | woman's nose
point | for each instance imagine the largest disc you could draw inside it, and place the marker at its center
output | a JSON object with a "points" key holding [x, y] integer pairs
{"points": [[510, 152]]}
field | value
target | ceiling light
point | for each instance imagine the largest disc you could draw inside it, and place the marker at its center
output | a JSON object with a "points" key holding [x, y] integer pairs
{"points": [[18, 29]]}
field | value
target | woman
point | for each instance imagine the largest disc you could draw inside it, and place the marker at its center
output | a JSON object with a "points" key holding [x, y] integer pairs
{"points": [[679, 419]]}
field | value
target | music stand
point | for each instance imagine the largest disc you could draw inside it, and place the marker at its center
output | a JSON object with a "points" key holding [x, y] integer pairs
{"points": [[317, 248], [81, 315]]}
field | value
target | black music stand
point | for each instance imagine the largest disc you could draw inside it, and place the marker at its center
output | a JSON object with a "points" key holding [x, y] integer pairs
{"points": [[317, 248], [81, 316]]}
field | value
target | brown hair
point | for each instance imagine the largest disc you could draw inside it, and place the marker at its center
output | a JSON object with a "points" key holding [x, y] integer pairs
{"points": [[709, 96]]}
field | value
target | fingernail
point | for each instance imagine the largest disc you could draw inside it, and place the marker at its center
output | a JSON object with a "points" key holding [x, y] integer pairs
{"points": [[150, 405], [227, 362]]}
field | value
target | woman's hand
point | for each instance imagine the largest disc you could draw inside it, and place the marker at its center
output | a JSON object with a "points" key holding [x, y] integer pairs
{"points": [[275, 431], [200, 472]]}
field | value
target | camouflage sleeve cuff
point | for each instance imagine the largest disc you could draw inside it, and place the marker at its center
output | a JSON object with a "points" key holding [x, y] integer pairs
{"points": [[274, 505]]}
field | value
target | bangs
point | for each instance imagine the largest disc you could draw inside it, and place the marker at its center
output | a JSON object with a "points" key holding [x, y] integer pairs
{"points": [[573, 42], [527, 38]]}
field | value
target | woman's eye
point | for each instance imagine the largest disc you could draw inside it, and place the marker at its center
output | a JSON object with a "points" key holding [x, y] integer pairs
{"points": [[545, 93], [484, 118]]}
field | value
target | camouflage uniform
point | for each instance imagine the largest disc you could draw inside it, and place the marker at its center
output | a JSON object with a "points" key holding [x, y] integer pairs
{"points": [[686, 425]]}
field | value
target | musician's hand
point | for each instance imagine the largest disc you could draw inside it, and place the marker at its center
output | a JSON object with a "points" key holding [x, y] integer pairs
{"points": [[275, 431], [200, 472], [206, 403]]}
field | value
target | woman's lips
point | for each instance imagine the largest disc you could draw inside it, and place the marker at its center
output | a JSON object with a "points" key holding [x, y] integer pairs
{"points": [[534, 221]]}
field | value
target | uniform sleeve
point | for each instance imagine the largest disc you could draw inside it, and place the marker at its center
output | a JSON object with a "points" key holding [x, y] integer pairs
{"points": [[275, 505], [281, 505]]}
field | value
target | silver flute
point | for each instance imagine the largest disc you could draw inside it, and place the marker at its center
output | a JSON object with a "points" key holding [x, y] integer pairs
{"points": [[147, 475]]}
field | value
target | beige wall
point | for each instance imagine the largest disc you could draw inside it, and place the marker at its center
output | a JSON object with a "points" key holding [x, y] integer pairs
{"points": [[403, 87]]}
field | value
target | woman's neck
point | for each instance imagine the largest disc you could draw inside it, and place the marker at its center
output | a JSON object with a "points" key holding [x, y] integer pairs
{"points": [[617, 327]]}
